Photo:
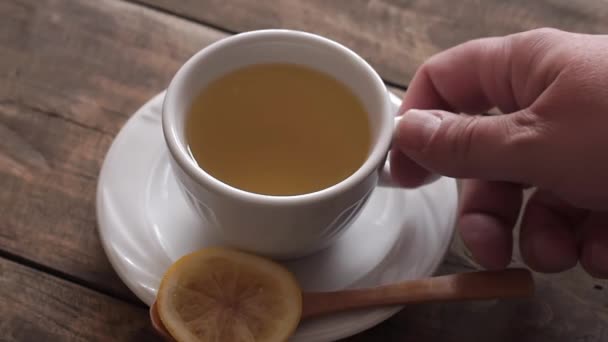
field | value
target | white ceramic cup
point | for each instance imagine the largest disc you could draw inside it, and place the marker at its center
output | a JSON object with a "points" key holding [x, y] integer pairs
{"points": [[280, 227]]}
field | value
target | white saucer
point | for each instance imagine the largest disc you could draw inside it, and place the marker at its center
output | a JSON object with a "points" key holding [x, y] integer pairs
{"points": [[145, 225]]}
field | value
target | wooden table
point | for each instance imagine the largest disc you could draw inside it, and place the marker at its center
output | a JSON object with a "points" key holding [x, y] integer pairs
{"points": [[71, 74]]}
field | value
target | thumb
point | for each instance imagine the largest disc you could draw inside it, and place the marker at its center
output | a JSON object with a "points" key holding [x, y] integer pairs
{"points": [[496, 147]]}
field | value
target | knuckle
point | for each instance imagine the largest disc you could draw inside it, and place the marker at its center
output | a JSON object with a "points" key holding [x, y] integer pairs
{"points": [[523, 129], [537, 39], [458, 136], [544, 33], [466, 136], [523, 136]]}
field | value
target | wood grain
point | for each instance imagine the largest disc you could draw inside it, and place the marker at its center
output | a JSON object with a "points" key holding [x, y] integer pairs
{"points": [[71, 73], [37, 307], [395, 36]]}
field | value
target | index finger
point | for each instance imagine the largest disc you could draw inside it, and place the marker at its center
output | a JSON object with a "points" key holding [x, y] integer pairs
{"points": [[461, 79], [471, 78]]}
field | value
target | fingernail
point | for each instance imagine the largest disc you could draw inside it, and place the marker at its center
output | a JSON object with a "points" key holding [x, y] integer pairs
{"points": [[416, 128]]}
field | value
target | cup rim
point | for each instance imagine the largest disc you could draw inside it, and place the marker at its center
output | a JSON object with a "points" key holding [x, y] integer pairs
{"points": [[176, 141]]}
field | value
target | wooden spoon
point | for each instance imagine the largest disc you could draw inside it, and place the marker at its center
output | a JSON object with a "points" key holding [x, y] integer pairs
{"points": [[479, 285]]}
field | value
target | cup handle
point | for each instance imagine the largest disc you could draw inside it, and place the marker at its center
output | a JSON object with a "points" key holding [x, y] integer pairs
{"points": [[385, 179]]}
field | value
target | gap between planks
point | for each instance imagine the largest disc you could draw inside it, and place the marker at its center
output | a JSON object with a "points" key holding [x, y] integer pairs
{"points": [[68, 278], [222, 29]]}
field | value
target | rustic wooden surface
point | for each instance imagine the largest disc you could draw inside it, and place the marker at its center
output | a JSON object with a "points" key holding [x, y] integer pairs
{"points": [[395, 36], [35, 306], [72, 72]]}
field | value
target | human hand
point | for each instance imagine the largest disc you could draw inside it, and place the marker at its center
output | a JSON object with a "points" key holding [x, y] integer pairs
{"points": [[553, 85]]}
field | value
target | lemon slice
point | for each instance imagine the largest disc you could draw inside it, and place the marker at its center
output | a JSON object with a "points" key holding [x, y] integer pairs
{"points": [[220, 294]]}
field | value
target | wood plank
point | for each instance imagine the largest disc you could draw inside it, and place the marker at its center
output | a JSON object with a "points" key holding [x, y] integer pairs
{"points": [[70, 76], [37, 307], [395, 36]]}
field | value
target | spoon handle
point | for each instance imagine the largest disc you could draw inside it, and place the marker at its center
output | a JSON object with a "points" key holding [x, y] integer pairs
{"points": [[478, 285]]}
